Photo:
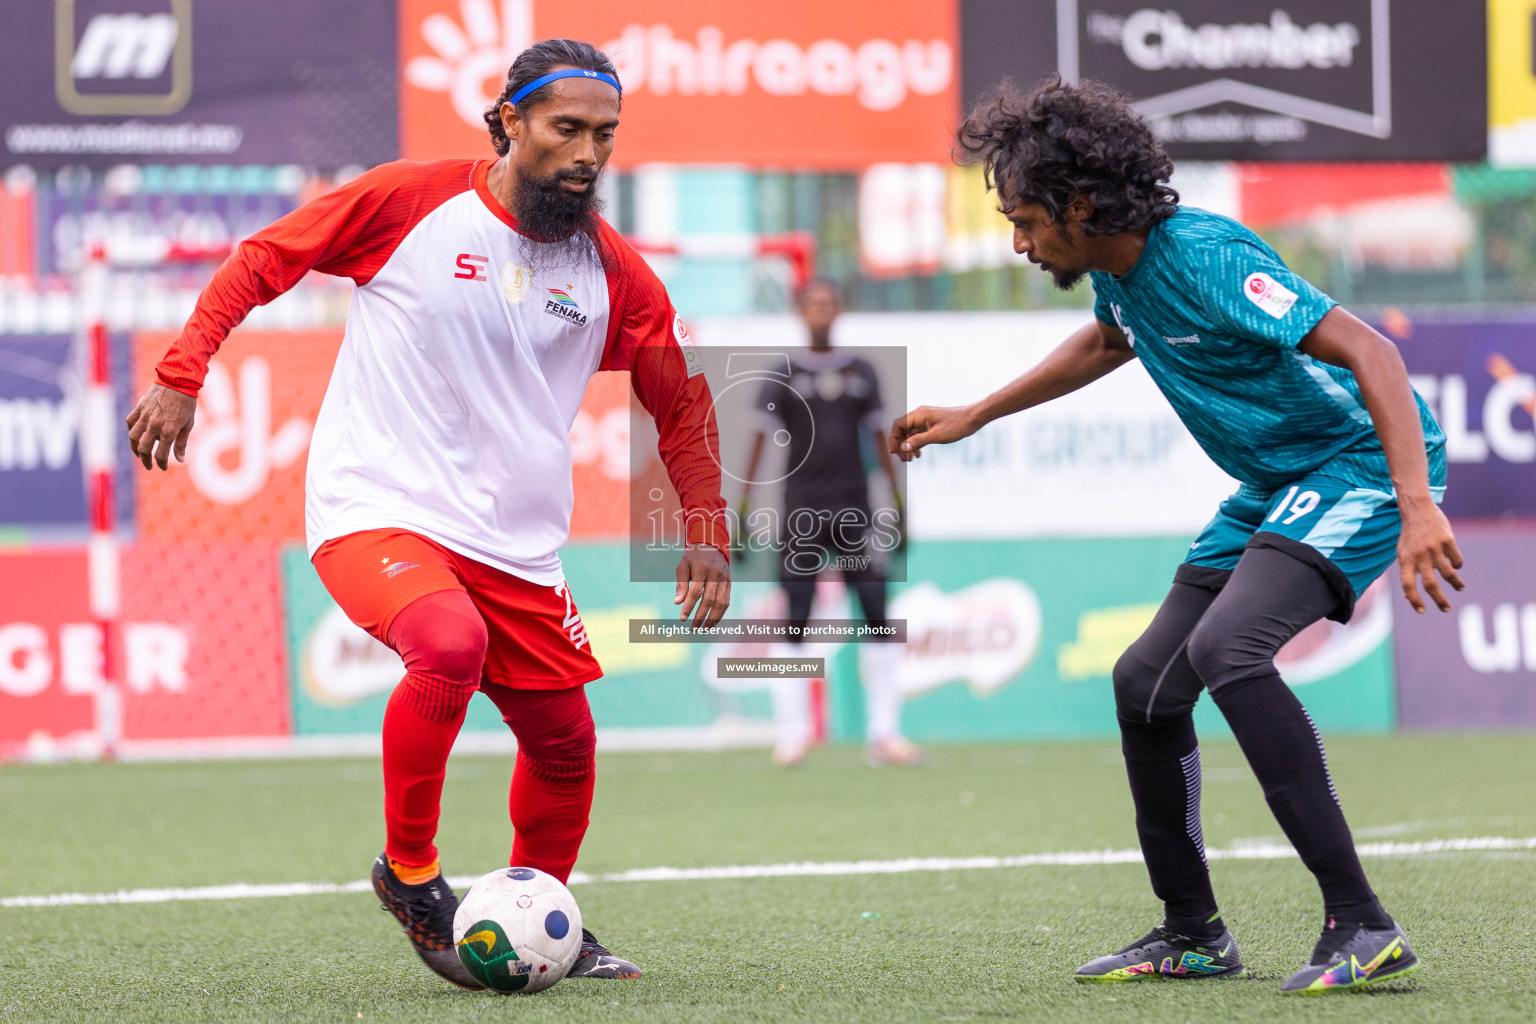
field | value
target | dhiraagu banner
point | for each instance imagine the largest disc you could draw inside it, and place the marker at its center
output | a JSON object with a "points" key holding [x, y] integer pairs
{"points": [[1013, 640], [652, 695]]}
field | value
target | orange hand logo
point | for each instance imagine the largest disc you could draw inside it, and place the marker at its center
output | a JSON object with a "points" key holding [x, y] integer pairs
{"points": [[1502, 370]]}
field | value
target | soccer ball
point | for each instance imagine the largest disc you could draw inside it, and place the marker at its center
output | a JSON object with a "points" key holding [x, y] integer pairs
{"points": [[517, 930]]}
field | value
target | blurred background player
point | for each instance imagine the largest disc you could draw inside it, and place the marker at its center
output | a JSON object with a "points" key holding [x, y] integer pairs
{"points": [[438, 491], [828, 519], [1341, 464]]}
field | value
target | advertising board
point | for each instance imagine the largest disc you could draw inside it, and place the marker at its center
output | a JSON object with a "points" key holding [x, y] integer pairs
{"points": [[1109, 460], [1016, 640], [650, 694], [1475, 667], [42, 485], [795, 84], [244, 474], [1258, 79], [172, 81], [1478, 375], [199, 657]]}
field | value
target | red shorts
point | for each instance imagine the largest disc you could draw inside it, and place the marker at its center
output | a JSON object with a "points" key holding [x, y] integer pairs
{"points": [[537, 640]]}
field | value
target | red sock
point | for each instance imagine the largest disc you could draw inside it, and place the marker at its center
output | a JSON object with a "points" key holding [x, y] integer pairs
{"points": [[442, 639], [551, 795], [550, 804]]}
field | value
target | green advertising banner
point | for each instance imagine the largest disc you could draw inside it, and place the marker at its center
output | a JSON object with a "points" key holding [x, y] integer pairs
{"points": [[1007, 640], [1017, 640], [654, 694]]}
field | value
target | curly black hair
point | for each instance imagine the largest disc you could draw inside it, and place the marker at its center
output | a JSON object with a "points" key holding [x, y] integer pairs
{"points": [[535, 62], [1061, 140]]}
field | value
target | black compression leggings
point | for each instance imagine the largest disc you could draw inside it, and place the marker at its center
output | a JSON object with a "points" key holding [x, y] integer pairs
{"points": [[1222, 635], [1218, 633]]}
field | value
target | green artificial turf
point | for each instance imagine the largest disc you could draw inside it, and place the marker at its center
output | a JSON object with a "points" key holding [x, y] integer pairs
{"points": [[925, 946]]}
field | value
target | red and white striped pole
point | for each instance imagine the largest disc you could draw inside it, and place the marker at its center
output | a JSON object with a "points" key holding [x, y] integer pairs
{"points": [[98, 434]]}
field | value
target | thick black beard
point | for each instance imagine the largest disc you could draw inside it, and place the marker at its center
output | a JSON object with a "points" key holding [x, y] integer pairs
{"points": [[560, 227], [1066, 280]]}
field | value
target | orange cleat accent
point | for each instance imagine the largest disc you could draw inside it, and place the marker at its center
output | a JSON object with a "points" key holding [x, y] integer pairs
{"points": [[412, 875]]}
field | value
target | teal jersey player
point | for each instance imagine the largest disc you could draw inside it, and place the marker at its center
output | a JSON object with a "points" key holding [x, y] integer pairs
{"points": [[1341, 467], [1216, 319]]}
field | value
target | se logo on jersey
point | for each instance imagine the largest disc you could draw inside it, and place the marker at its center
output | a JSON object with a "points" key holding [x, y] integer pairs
{"points": [[470, 267], [1268, 294]]}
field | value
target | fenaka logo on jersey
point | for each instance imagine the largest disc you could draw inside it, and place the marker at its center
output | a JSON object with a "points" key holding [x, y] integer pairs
{"points": [[515, 280], [562, 305], [150, 46], [1268, 294]]}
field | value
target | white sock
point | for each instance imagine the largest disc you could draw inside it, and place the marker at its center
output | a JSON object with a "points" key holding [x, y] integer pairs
{"points": [[878, 668], [791, 703]]}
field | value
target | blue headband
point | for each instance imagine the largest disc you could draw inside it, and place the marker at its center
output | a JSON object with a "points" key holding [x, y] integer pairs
{"points": [[554, 76]]}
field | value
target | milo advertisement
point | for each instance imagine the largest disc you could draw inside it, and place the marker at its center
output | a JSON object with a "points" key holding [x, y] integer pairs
{"points": [[1006, 640], [1011, 640]]}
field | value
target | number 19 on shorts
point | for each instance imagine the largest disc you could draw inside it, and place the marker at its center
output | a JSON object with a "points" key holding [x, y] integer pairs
{"points": [[1297, 505]]}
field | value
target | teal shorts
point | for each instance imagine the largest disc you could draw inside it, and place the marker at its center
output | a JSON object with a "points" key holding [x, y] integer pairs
{"points": [[1349, 532]]}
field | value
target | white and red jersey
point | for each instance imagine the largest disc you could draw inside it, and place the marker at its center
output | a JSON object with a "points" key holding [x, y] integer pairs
{"points": [[450, 407]]}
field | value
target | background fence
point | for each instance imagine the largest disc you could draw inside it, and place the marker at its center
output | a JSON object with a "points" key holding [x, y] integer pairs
{"points": [[899, 237]]}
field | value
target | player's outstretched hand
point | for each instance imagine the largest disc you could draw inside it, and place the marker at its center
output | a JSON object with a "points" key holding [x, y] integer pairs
{"points": [[1425, 547], [930, 425], [159, 425], [703, 585]]}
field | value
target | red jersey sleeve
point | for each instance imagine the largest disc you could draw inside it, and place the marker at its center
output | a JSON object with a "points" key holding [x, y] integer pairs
{"points": [[350, 232], [648, 338]]}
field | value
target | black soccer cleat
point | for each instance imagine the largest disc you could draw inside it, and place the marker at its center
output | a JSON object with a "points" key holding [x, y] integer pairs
{"points": [[1162, 953], [1349, 957], [425, 911], [594, 961]]}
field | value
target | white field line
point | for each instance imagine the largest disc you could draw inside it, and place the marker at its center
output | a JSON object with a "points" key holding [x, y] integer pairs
{"points": [[1075, 858]]}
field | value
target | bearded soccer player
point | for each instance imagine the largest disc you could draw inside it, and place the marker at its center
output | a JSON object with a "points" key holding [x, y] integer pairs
{"points": [[438, 491], [1341, 467]]}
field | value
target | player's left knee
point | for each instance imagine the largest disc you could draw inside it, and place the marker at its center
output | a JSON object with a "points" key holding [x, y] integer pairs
{"points": [[1224, 652], [1133, 681], [564, 734], [574, 772]]}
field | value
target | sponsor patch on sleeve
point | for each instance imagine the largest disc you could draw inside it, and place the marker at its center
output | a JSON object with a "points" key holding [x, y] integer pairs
{"points": [[685, 345], [1268, 294]]}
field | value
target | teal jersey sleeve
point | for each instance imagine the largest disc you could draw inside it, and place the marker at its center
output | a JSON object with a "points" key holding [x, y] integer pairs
{"points": [[1104, 311], [1249, 293], [1101, 311]]}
